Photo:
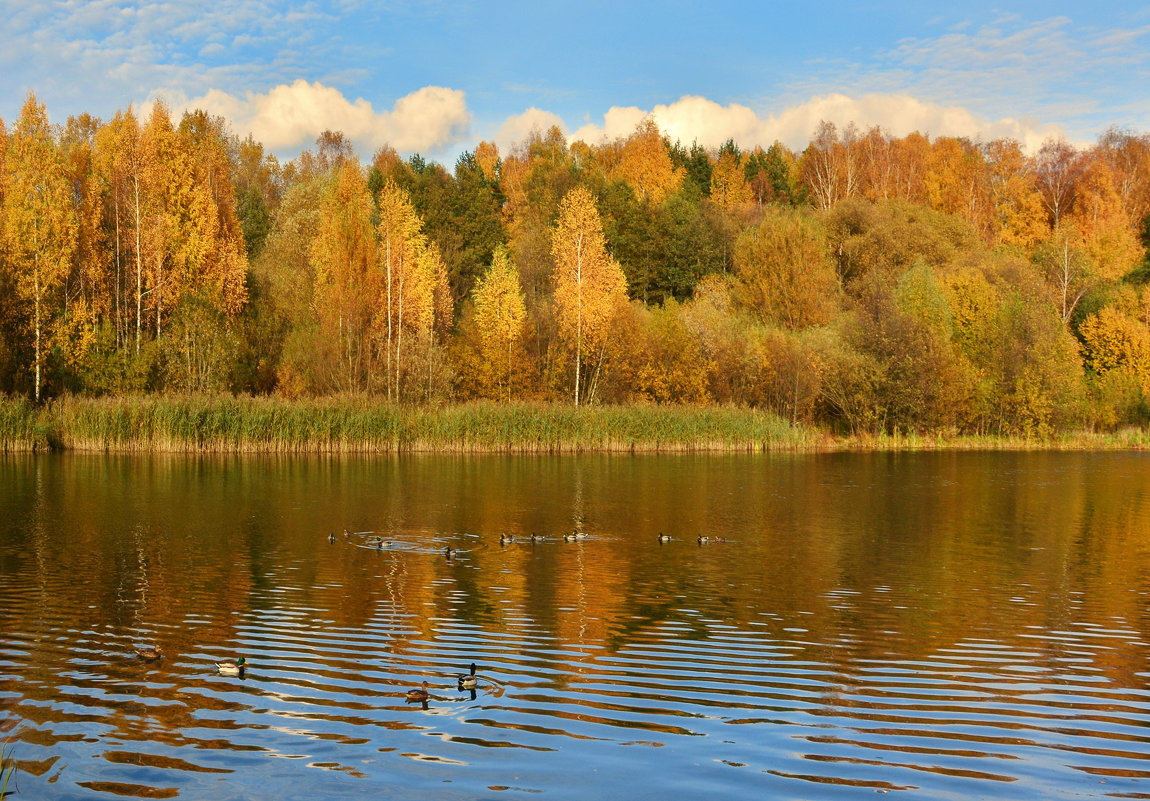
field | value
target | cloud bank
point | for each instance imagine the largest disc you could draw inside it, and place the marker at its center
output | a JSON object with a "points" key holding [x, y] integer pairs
{"points": [[290, 116], [697, 119], [435, 119]]}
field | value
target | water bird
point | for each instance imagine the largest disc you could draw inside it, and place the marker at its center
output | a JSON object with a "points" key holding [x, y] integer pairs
{"points": [[419, 694], [236, 668], [331, 537], [574, 536], [450, 552], [703, 540], [664, 537], [505, 538], [537, 537], [379, 542], [149, 653], [470, 680], [346, 534]]}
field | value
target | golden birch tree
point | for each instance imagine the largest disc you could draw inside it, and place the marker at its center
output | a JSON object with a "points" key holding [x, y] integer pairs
{"points": [[346, 285], [500, 310], [729, 188], [645, 165], [589, 284], [39, 220], [400, 244]]}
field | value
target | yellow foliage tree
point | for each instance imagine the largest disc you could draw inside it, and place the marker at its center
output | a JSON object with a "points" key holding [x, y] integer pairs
{"points": [[1114, 342], [1098, 216], [1020, 217], [400, 244], [39, 219], [500, 310], [645, 165], [487, 157], [729, 187], [786, 271], [589, 284], [346, 285], [955, 181]]}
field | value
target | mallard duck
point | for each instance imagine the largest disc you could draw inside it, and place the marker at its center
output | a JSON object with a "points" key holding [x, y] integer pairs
{"points": [[537, 537], [149, 653], [379, 542], [470, 680], [718, 539], [331, 537], [704, 540], [232, 668], [450, 552], [419, 693], [574, 536], [664, 537], [505, 539]]}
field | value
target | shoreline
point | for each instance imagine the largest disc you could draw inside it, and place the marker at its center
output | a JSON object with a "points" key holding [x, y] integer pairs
{"points": [[361, 425]]}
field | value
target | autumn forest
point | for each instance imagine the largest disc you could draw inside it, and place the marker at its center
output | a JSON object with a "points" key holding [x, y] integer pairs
{"points": [[868, 283]]}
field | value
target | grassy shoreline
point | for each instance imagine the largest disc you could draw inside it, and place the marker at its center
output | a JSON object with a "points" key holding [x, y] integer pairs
{"points": [[227, 424]]}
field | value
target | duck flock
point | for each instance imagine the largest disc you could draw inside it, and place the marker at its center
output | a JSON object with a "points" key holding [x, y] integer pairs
{"points": [[368, 539], [465, 681]]}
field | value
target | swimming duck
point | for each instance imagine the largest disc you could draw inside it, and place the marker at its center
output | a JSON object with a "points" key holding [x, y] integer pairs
{"points": [[450, 552], [331, 537], [236, 668], [149, 653], [505, 538], [537, 537], [704, 540], [379, 542], [664, 537], [419, 693], [470, 680], [574, 536]]}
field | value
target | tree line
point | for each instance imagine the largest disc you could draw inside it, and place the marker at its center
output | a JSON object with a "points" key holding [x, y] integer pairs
{"points": [[866, 283]]}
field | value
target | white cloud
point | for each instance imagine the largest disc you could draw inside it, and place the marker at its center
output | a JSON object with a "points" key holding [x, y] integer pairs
{"points": [[697, 119], [518, 127], [290, 116]]}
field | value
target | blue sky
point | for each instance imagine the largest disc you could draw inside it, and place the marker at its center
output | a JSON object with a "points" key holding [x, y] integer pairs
{"points": [[438, 77]]}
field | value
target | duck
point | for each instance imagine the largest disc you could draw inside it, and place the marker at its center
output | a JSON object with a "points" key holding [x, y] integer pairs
{"points": [[718, 539], [469, 680], [149, 653], [704, 540], [236, 668], [450, 552], [574, 536], [379, 542], [505, 538], [664, 537], [419, 693], [331, 537], [537, 537]]}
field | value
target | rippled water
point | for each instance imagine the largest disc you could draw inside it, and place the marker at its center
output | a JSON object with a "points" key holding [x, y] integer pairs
{"points": [[944, 626]]}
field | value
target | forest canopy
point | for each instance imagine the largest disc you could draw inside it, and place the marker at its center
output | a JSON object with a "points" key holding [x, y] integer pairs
{"points": [[866, 283]]}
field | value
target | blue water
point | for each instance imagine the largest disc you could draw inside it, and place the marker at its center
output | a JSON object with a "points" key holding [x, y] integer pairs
{"points": [[932, 625]]}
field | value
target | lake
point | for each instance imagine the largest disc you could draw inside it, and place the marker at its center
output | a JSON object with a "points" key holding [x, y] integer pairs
{"points": [[944, 626]]}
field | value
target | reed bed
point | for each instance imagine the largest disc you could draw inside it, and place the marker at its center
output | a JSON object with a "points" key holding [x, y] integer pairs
{"points": [[357, 424], [243, 424]]}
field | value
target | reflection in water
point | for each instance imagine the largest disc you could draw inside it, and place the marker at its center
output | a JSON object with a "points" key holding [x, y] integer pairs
{"points": [[951, 625]]}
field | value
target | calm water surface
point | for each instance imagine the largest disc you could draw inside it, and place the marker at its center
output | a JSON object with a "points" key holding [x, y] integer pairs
{"points": [[936, 626]]}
